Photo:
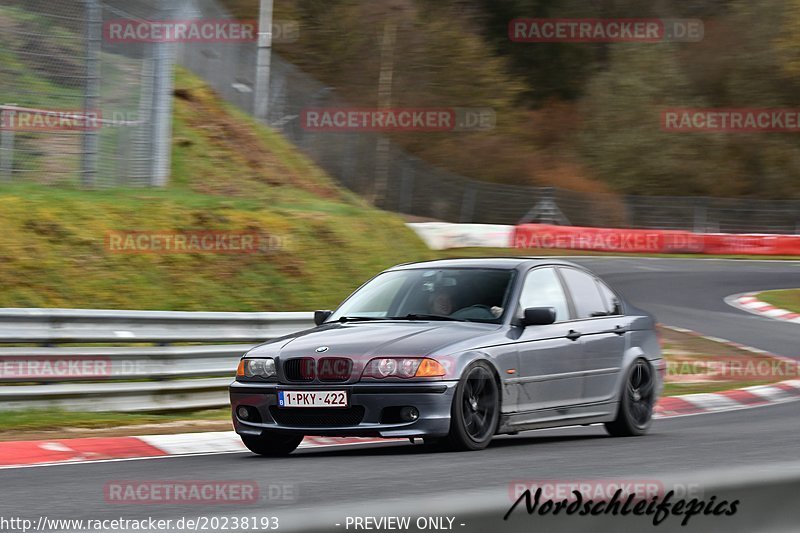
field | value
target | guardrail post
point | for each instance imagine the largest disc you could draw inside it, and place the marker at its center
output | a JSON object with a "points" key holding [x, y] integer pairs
{"points": [[7, 139]]}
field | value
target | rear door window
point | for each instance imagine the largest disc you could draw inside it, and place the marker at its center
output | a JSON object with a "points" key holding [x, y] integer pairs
{"points": [[613, 304], [585, 293]]}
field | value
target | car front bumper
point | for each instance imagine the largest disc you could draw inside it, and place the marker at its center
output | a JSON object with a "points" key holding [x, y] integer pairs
{"points": [[377, 402]]}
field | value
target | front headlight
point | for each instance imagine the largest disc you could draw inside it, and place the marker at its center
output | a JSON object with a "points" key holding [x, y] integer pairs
{"points": [[403, 367], [256, 368]]}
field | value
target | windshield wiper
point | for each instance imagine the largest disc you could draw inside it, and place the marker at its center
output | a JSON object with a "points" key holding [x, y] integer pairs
{"points": [[411, 316], [360, 318], [416, 316]]}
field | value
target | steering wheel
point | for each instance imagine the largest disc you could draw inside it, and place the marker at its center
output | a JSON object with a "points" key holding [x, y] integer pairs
{"points": [[465, 312]]}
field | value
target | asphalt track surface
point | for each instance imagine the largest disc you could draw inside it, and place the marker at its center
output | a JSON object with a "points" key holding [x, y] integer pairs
{"points": [[684, 293]]}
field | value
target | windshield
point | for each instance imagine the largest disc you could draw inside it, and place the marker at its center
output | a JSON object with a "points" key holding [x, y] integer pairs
{"points": [[477, 295]]}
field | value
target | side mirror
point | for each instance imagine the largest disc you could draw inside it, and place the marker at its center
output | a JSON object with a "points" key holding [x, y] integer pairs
{"points": [[321, 316], [539, 316]]}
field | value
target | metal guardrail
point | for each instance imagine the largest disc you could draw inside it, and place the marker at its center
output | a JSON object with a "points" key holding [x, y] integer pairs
{"points": [[123, 397], [132, 377], [94, 326], [136, 363]]}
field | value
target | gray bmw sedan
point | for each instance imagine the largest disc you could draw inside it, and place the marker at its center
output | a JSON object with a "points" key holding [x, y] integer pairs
{"points": [[455, 352]]}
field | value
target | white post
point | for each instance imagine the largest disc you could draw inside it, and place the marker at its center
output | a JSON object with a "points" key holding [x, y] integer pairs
{"points": [[91, 95], [6, 144], [385, 81], [164, 55], [264, 62]]}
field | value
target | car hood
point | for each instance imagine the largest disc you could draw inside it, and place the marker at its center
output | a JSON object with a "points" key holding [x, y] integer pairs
{"points": [[395, 338]]}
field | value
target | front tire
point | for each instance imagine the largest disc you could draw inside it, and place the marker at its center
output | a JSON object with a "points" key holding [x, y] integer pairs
{"points": [[635, 413], [476, 409], [272, 444]]}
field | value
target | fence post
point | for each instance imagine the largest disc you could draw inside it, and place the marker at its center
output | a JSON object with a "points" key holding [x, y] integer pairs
{"points": [[94, 35], [700, 215], [468, 204], [797, 222], [123, 155], [6, 154], [406, 197], [161, 110], [6, 145], [383, 148], [263, 62], [630, 211]]}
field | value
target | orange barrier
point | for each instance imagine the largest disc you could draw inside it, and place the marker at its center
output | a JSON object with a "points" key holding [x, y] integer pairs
{"points": [[651, 241]]}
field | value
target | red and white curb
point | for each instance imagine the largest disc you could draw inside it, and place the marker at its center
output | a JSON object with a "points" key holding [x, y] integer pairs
{"points": [[70, 451], [750, 302], [66, 451], [732, 400]]}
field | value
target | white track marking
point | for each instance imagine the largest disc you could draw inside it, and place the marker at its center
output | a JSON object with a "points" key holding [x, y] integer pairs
{"points": [[711, 402], [193, 443]]}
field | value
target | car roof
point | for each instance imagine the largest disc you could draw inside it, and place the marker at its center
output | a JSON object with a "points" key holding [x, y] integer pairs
{"points": [[507, 263]]}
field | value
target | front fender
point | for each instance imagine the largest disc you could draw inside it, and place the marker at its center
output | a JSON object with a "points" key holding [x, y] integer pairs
{"points": [[500, 359]]}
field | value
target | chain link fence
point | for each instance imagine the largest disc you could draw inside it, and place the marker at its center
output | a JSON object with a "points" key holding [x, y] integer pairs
{"points": [[75, 107]]}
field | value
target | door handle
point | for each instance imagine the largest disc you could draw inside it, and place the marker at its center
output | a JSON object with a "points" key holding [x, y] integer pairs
{"points": [[574, 335], [620, 330]]}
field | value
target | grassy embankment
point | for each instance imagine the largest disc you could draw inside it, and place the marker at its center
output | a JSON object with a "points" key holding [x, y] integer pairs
{"points": [[228, 175]]}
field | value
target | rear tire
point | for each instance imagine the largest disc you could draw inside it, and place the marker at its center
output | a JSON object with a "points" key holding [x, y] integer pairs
{"points": [[272, 444], [635, 413], [475, 412]]}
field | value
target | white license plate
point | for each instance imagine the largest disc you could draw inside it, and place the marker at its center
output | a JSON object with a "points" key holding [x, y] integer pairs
{"points": [[333, 398]]}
